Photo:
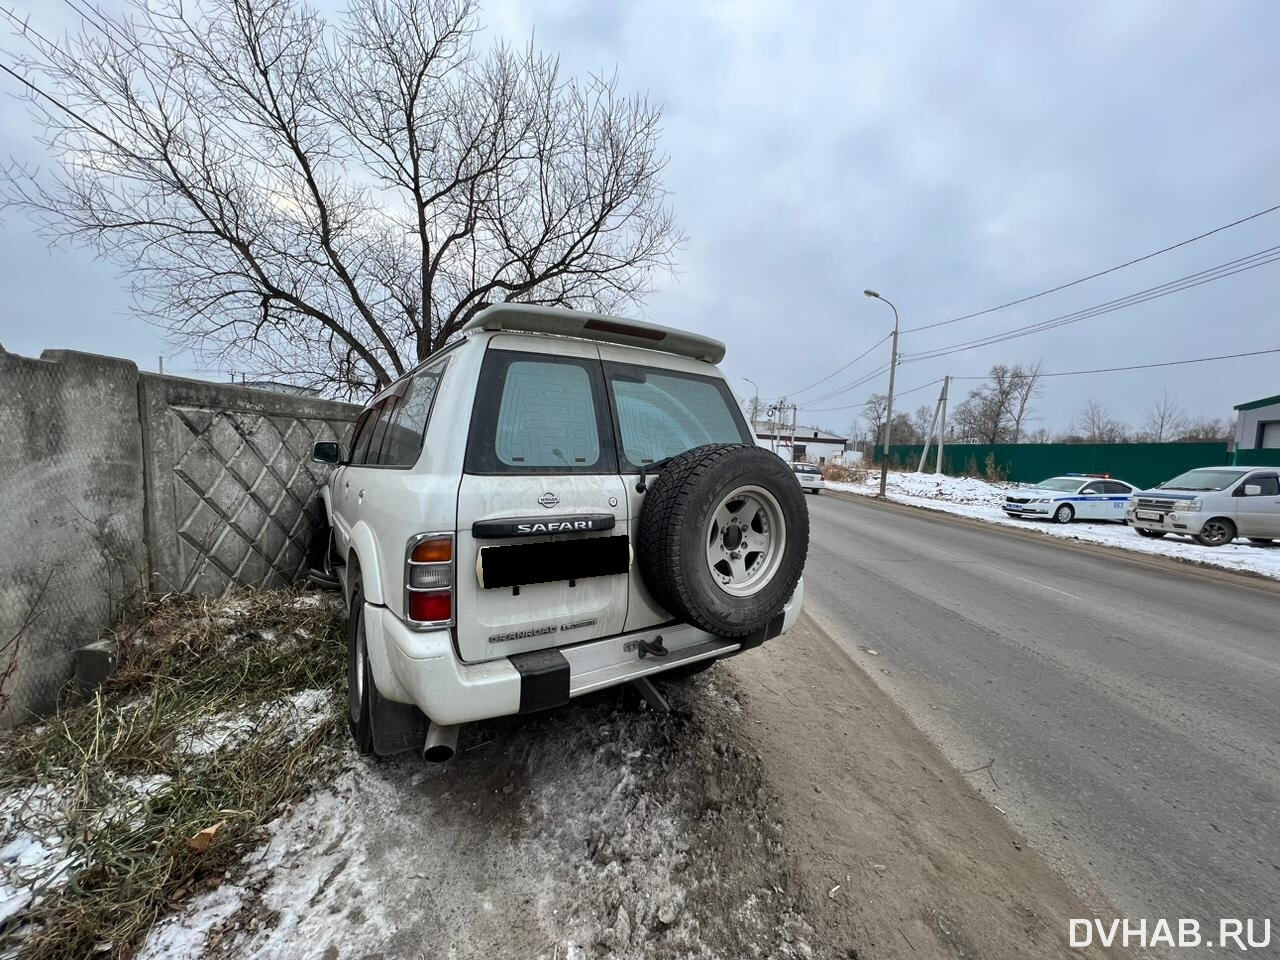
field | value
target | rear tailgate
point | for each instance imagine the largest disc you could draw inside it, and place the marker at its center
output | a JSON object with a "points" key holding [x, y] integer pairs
{"points": [[529, 581]]}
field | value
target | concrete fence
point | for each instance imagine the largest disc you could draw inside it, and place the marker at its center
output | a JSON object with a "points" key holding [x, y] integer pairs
{"points": [[112, 480]]}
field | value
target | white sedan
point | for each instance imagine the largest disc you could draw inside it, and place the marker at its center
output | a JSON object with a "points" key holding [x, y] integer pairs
{"points": [[1076, 496], [810, 477]]}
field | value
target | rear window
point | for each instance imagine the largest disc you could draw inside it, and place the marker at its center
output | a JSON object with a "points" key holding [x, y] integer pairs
{"points": [[805, 468], [538, 413], [664, 412]]}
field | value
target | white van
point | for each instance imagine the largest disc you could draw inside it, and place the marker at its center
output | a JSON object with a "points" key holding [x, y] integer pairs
{"points": [[1213, 504], [557, 503]]}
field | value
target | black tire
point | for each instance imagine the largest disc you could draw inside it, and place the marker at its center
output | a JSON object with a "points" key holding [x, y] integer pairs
{"points": [[1216, 532], [1262, 540], [816, 491], [1064, 514], [680, 532], [1151, 534], [359, 677]]}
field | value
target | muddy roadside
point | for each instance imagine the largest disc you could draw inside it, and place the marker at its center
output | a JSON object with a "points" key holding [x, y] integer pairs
{"points": [[897, 855]]}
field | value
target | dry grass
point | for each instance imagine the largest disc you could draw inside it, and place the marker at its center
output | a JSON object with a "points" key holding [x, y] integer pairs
{"points": [[197, 662], [842, 474]]}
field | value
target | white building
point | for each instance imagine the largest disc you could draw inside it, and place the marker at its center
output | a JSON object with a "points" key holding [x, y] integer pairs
{"points": [[1258, 428], [806, 443]]}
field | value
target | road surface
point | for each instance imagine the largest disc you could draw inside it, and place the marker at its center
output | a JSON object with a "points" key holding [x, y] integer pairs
{"points": [[1132, 710]]}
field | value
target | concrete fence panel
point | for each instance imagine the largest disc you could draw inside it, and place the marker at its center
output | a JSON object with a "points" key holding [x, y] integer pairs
{"points": [[71, 515], [112, 480], [232, 494]]}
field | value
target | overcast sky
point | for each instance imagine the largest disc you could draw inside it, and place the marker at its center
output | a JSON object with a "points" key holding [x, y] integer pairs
{"points": [[952, 156]]}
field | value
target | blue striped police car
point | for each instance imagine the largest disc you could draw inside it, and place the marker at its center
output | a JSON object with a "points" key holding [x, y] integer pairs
{"points": [[1073, 496]]}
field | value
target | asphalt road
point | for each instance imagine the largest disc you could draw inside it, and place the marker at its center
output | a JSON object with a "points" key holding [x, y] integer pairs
{"points": [[1133, 711]]}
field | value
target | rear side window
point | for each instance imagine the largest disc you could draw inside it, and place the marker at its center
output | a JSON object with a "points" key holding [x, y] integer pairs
{"points": [[539, 413], [663, 412], [363, 432], [403, 440]]}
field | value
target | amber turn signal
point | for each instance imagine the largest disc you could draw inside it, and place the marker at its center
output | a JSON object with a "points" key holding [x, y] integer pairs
{"points": [[433, 551]]}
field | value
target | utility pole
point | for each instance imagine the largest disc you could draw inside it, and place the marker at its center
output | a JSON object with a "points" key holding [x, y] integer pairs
{"points": [[161, 359], [888, 411], [942, 425]]}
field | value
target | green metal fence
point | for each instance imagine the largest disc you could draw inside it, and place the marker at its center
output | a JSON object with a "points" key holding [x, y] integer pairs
{"points": [[1144, 464], [1265, 457]]}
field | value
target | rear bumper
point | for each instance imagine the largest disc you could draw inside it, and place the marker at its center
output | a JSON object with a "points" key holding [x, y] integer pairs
{"points": [[421, 667]]}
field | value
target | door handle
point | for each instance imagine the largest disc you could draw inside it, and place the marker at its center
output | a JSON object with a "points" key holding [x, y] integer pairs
{"points": [[347, 485], [361, 497]]}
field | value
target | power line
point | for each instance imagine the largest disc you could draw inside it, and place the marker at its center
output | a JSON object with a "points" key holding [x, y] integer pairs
{"points": [[839, 370], [850, 386], [1094, 276], [853, 406], [1230, 268], [1145, 366]]}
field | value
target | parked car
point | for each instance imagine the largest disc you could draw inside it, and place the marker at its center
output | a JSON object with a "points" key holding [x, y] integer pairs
{"points": [[1212, 504], [810, 477], [1073, 496], [557, 503]]}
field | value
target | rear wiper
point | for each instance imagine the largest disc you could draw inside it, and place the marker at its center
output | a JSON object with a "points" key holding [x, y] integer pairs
{"points": [[641, 486]]}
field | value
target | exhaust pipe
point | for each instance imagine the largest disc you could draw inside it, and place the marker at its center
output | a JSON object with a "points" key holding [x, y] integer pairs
{"points": [[442, 742]]}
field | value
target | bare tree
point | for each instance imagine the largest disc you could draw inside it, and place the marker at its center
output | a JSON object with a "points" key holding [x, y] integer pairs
{"points": [[921, 422], [1208, 428], [873, 415], [1093, 424], [1025, 387], [997, 410], [1163, 420], [331, 203]]}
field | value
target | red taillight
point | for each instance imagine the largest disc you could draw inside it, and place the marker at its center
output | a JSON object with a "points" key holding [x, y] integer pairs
{"points": [[434, 606], [428, 580]]}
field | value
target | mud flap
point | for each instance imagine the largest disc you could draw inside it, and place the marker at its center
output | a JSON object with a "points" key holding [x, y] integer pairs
{"points": [[396, 727]]}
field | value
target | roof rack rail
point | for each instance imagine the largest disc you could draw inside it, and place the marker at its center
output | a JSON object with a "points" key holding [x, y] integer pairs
{"points": [[530, 318]]}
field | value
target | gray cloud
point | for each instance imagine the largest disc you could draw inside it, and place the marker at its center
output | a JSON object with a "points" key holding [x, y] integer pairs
{"points": [[951, 155]]}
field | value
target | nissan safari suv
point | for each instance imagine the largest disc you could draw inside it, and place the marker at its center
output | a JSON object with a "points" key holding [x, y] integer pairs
{"points": [[557, 503]]}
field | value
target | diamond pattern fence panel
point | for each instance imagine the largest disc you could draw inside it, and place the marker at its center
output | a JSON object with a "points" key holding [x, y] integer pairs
{"points": [[232, 494]]}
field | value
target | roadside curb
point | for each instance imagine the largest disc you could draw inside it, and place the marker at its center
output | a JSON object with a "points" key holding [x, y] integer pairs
{"points": [[1247, 578]]}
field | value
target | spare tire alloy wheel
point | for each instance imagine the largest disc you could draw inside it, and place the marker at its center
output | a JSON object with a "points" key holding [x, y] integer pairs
{"points": [[723, 536], [745, 540]]}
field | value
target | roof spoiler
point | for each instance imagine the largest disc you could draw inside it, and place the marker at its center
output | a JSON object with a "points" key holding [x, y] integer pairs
{"points": [[596, 326]]}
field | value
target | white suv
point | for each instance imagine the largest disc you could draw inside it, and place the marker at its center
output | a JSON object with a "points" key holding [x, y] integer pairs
{"points": [[556, 503]]}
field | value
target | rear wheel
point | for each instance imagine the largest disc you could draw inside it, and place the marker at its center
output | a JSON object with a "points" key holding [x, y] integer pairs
{"points": [[1216, 532], [359, 679], [1150, 534], [1064, 514]]}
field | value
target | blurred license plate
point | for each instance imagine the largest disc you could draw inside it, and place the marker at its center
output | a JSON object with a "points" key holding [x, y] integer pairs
{"points": [[1146, 515]]}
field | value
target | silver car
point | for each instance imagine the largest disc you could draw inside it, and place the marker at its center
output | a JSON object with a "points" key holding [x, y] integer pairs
{"points": [[1212, 504]]}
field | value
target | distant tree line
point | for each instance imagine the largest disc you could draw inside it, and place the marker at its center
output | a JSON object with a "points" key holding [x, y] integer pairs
{"points": [[1001, 410]]}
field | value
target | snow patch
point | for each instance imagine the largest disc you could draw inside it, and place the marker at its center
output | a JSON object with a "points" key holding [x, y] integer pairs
{"points": [[983, 500]]}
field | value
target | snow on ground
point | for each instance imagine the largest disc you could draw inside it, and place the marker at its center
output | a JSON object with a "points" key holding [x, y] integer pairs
{"points": [[598, 830], [33, 852], [982, 500]]}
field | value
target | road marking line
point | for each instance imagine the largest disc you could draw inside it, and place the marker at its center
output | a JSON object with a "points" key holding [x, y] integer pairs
{"points": [[1037, 583]]}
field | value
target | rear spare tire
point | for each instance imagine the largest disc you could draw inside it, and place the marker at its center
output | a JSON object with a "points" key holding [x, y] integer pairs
{"points": [[723, 537]]}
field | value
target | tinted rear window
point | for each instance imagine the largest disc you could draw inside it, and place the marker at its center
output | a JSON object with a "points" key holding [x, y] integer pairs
{"points": [[665, 412], [538, 413]]}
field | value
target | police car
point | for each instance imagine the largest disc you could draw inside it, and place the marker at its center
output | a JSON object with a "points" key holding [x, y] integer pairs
{"points": [[1073, 496]]}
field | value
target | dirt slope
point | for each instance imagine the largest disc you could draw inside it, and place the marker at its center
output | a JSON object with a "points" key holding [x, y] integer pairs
{"points": [[927, 866]]}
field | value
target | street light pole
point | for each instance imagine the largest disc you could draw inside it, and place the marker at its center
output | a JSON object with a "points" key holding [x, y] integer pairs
{"points": [[888, 408]]}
